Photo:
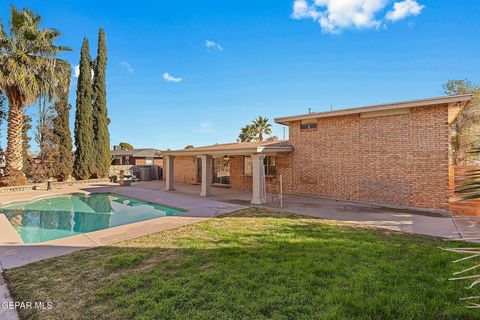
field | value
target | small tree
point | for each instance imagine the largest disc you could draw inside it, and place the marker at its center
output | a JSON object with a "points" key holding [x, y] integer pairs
{"points": [[125, 146], [189, 146], [465, 130], [44, 137]]}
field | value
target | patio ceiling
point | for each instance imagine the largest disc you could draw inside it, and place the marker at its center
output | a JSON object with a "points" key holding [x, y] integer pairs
{"points": [[240, 148]]}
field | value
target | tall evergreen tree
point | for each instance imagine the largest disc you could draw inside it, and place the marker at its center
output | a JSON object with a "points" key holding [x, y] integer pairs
{"points": [[62, 136], [101, 135], [84, 152]]}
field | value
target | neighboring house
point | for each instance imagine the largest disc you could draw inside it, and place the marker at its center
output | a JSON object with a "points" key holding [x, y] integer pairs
{"points": [[145, 164], [391, 154], [136, 157]]}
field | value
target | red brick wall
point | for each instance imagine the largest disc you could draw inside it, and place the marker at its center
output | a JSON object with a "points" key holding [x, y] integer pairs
{"points": [[183, 170], [238, 180], [138, 161], [142, 161], [398, 159]]}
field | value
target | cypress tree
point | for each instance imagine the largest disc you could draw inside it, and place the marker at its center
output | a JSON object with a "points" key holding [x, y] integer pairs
{"points": [[84, 153], [101, 135], [62, 137]]}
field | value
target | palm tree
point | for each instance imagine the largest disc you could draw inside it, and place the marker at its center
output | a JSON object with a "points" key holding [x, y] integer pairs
{"points": [[261, 127], [247, 133], [29, 70]]}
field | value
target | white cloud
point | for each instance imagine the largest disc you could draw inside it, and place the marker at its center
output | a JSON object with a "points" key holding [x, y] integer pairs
{"points": [[302, 9], [403, 9], [337, 15], [127, 66], [205, 127], [76, 71], [213, 45], [168, 77]]}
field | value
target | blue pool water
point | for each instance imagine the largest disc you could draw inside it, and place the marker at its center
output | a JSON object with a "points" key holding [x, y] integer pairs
{"points": [[64, 216]]}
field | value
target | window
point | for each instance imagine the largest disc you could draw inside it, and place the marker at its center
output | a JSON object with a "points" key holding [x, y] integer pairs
{"points": [[247, 166], [270, 166], [221, 171], [149, 161], [308, 125]]}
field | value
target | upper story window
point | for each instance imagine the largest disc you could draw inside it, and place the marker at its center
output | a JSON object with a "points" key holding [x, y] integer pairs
{"points": [[149, 161], [308, 125]]}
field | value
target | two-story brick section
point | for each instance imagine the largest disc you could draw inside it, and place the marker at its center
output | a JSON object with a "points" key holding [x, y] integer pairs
{"points": [[391, 154]]}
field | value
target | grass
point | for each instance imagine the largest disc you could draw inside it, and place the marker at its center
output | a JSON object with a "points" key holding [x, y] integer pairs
{"points": [[253, 264]]}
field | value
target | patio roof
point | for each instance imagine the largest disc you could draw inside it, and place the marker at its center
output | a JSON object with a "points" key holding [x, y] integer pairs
{"points": [[462, 99], [239, 148]]}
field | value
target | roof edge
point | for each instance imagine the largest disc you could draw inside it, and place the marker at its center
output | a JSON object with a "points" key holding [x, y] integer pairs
{"points": [[377, 107], [230, 150]]}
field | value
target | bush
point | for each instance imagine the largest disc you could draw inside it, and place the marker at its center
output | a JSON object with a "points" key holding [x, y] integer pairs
{"points": [[13, 178]]}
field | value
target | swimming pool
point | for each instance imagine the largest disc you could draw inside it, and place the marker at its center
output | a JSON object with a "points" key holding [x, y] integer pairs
{"points": [[68, 215]]}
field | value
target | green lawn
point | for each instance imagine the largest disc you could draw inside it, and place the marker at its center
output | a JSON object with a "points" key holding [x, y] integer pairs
{"points": [[254, 264]]}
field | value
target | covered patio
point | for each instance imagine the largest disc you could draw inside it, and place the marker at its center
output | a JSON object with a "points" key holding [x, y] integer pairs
{"points": [[205, 169]]}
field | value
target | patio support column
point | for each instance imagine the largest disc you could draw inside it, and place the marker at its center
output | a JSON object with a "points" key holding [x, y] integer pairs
{"points": [[169, 173], [206, 175], [258, 175]]}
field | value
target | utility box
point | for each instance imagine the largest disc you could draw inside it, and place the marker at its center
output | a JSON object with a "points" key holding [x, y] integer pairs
{"points": [[144, 174]]}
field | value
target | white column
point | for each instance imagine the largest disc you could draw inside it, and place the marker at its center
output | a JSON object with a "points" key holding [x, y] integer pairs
{"points": [[169, 173], [258, 175], [206, 175]]}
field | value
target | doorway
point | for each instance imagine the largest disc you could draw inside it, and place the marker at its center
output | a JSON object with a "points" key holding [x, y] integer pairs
{"points": [[198, 165]]}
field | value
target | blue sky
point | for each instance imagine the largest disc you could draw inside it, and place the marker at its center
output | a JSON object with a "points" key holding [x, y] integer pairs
{"points": [[271, 59]]}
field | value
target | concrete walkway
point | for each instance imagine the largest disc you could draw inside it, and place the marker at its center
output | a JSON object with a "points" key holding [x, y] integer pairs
{"points": [[409, 221], [6, 313], [402, 220]]}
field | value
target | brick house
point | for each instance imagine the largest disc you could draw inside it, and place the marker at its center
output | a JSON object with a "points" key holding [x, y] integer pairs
{"points": [[137, 162], [391, 154], [136, 157]]}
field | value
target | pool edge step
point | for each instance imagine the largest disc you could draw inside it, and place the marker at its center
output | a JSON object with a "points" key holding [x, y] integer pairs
{"points": [[8, 234]]}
